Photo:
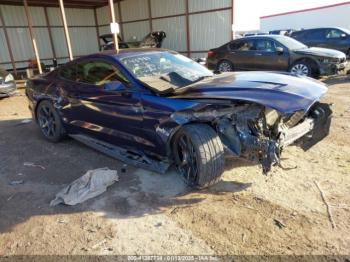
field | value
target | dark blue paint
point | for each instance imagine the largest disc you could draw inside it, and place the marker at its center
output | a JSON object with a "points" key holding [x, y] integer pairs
{"points": [[283, 92], [135, 117]]}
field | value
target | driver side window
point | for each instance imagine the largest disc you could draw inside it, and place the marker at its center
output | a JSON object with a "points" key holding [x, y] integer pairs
{"points": [[68, 73], [265, 45], [98, 73]]}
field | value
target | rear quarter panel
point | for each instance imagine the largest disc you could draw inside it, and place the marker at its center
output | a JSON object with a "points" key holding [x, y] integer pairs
{"points": [[38, 89], [221, 53]]}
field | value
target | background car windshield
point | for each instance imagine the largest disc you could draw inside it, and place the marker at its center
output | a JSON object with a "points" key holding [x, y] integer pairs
{"points": [[347, 31], [291, 43], [175, 69]]}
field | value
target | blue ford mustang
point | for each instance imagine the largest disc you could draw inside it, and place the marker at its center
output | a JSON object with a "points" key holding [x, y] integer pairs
{"points": [[153, 108]]}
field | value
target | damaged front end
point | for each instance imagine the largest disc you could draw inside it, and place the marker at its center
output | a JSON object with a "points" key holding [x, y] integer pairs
{"points": [[259, 134]]}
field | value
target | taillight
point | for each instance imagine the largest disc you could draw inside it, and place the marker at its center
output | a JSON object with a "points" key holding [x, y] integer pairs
{"points": [[211, 54]]}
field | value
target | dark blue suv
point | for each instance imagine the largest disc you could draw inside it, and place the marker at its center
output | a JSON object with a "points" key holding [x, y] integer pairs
{"points": [[330, 37]]}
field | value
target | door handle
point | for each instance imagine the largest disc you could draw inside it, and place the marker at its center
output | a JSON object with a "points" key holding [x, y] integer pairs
{"points": [[258, 54]]}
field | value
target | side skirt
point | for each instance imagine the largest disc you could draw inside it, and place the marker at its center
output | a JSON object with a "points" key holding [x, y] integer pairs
{"points": [[131, 158]]}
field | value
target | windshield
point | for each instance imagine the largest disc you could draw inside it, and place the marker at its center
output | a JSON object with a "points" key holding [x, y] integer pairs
{"points": [[345, 31], [165, 70], [291, 43]]}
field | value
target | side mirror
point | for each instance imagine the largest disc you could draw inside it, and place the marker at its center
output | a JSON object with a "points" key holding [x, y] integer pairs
{"points": [[343, 36], [279, 50], [114, 86]]}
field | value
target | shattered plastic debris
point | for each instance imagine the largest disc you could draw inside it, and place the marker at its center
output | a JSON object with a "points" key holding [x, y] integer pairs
{"points": [[33, 165], [90, 185]]}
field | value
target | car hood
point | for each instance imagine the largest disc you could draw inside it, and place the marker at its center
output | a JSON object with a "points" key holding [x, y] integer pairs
{"points": [[323, 52], [280, 91]]}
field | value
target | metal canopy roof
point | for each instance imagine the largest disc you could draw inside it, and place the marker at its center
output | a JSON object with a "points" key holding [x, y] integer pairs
{"points": [[67, 3]]}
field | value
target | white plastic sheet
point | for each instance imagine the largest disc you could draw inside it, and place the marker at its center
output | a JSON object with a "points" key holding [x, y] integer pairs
{"points": [[92, 184]]}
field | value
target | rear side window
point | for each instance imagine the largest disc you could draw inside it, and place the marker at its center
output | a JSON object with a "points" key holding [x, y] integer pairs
{"points": [[315, 35], [98, 73], [68, 73], [243, 45]]}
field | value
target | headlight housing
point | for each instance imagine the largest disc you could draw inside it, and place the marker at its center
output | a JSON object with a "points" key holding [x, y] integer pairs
{"points": [[271, 116], [9, 78], [329, 60]]}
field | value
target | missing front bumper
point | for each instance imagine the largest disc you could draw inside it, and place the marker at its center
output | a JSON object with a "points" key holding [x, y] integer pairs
{"points": [[332, 69], [322, 115], [266, 151]]}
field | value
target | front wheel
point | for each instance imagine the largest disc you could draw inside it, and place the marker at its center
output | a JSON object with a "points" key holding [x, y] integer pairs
{"points": [[301, 69], [199, 155], [49, 121]]}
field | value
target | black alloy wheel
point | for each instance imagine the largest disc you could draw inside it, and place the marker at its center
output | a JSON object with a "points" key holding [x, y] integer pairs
{"points": [[49, 121], [198, 155]]}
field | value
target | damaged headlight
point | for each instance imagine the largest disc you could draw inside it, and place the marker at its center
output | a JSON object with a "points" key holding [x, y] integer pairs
{"points": [[9, 78], [271, 116], [328, 60]]}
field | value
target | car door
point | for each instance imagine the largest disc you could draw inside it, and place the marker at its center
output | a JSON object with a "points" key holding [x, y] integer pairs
{"points": [[241, 54], [336, 39], [104, 104], [315, 38], [268, 55]]}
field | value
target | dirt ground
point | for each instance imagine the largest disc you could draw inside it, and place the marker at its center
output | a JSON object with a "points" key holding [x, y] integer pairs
{"points": [[146, 213]]}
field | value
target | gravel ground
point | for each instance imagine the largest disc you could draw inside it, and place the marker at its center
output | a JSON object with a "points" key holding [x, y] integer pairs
{"points": [[147, 213]]}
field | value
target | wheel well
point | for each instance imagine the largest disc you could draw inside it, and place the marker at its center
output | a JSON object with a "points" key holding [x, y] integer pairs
{"points": [[37, 106], [172, 137], [314, 66], [224, 60]]}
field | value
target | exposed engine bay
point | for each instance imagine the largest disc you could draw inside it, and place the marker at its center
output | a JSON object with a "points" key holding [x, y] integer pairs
{"points": [[259, 134]]}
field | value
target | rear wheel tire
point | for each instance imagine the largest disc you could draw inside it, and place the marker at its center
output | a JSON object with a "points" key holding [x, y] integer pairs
{"points": [[225, 66], [199, 155], [50, 122]]}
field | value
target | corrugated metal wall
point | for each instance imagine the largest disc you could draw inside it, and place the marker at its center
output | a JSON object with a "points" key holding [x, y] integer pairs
{"points": [[209, 25], [135, 31], [134, 10], [176, 35], [167, 7], [200, 5], [209, 22], [4, 55], [209, 30], [82, 30], [131, 10]]}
